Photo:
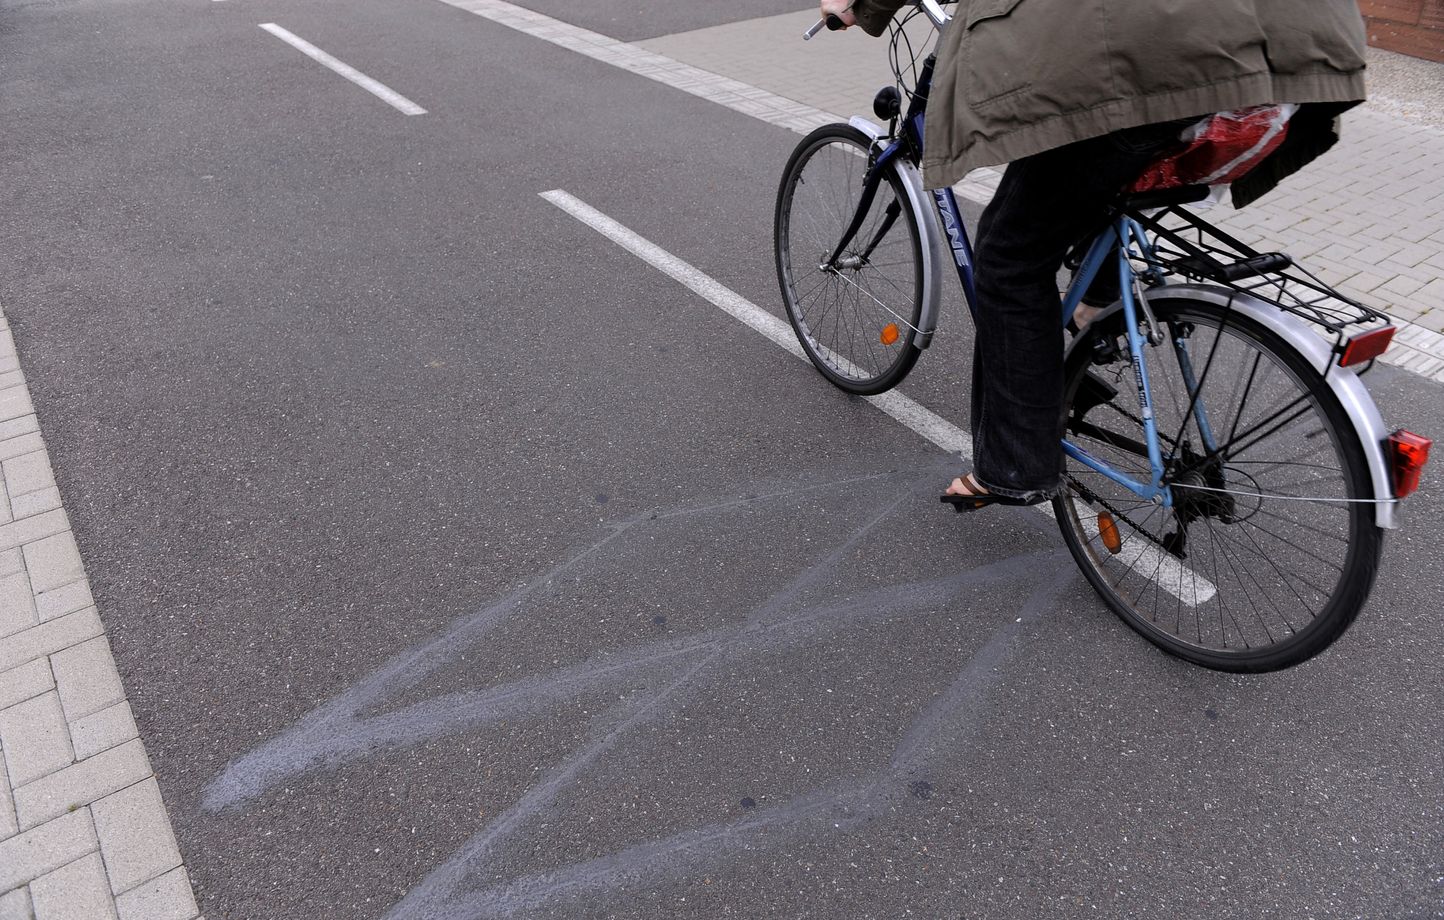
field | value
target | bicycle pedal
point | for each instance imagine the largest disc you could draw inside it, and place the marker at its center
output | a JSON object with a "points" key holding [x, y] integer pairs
{"points": [[1105, 350]]}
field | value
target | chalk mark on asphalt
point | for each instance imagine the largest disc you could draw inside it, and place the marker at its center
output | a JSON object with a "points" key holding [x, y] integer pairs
{"points": [[339, 731]]}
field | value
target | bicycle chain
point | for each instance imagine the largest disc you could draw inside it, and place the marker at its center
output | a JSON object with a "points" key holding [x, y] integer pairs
{"points": [[1093, 498]]}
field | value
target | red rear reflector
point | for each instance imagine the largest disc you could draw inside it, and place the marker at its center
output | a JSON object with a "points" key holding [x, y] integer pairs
{"points": [[1366, 346], [1408, 452]]}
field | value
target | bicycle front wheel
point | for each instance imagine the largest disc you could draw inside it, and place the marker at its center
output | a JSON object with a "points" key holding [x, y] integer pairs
{"points": [[856, 316], [1270, 548]]}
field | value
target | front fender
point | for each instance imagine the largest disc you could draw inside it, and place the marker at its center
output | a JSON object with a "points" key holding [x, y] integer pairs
{"points": [[929, 234]]}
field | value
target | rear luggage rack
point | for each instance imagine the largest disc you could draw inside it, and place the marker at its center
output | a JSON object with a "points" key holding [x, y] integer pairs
{"points": [[1183, 244], [1214, 270]]}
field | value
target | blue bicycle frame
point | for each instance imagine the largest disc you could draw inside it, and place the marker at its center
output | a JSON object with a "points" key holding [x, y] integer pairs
{"points": [[1123, 236]]}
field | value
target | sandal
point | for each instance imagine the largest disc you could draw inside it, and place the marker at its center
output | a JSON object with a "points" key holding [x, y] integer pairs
{"points": [[977, 496]]}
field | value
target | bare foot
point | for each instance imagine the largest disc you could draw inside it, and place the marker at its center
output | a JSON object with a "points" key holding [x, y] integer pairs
{"points": [[1084, 314]]}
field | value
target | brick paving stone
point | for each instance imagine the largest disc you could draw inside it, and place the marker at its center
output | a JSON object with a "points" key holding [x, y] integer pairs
{"points": [[15, 402], [38, 527], [1331, 274], [1375, 253], [28, 472], [28, 680], [135, 835], [103, 730], [35, 502], [46, 848], [86, 676], [11, 561], [16, 905], [1422, 275], [1423, 364], [1404, 311], [1375, 231], [1421, 338], [13, 448], [1414, 253], [81, 783], [9, 824], [53, 561], [49, 637], [168, 897], [17, 604], [64, 599], [77, 891], [1417, 231], [35, 738], [1399, 286], [13, 428], [1431, 293]]}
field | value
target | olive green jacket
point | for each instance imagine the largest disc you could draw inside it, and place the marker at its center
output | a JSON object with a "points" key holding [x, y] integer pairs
{"points": [[1017, 77]]}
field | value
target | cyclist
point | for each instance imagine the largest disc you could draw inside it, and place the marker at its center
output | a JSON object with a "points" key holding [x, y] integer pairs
{"points": [[1078, 96]]}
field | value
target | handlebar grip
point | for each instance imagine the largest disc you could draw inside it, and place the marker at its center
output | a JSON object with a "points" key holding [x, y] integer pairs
{"points": [[832, 21]]}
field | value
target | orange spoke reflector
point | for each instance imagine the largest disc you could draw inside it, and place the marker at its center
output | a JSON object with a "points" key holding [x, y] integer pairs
{"points": [[889, 334], [1108, 530]]}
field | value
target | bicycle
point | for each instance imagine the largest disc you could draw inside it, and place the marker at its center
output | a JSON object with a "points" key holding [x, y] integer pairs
{"points": [[1237, 526]]}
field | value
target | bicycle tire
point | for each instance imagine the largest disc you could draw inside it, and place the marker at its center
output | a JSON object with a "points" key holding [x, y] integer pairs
{"points": [[1255, 500], [837, 313]]}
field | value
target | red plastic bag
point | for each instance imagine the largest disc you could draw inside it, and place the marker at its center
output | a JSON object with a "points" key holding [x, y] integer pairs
{"points": [[1220, 148]]}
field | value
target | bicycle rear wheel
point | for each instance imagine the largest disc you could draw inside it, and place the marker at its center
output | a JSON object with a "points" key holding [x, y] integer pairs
{"points": [[1270, 549], [856, 318]]}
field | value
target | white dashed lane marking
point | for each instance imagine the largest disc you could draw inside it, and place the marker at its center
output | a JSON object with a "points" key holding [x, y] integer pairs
{"points": [[375, 87]]}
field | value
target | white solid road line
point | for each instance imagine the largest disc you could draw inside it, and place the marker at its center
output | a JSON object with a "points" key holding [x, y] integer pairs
{"points": [[1178, 580], [375, 87], [925, 422]]}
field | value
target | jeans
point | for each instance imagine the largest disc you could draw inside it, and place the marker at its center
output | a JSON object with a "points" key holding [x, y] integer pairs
{"points": [[1044, 204]]}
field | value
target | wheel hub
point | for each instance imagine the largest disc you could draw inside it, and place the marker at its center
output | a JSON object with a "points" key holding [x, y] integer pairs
{"points": [[849, 263], [1197, 494]]}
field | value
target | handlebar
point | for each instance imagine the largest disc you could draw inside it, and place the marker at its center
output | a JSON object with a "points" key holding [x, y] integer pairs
{"points": [[931, 8], [832, 22]]}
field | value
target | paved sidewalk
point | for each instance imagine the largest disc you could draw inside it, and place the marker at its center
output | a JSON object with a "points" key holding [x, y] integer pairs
{"points": [[84, 834], [1367, 218]]}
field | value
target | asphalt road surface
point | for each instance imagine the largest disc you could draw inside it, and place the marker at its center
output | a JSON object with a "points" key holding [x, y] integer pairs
{"points": [[460, 564]]}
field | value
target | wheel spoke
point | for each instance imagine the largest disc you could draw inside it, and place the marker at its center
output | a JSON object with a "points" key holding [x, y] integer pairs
{"points": [[842, 314], [1269, 514]]}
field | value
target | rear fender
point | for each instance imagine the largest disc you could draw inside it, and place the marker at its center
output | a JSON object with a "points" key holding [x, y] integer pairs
{"points": [[1345, 384]]}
